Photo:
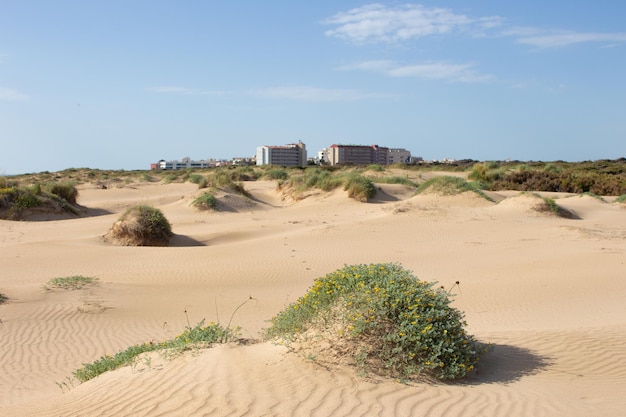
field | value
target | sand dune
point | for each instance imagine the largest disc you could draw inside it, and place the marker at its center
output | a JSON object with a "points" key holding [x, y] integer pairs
{"points": [[548, 292]]}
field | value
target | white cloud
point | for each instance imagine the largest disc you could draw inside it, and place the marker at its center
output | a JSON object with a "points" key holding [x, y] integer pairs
{"points": [[558, 39], [8, 94], [429, 71], [379, 23], [306, 93], [184, 91]]}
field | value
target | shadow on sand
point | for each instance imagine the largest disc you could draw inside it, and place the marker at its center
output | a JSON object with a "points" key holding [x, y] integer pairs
{"points": [[184, 241], [507, 364]]}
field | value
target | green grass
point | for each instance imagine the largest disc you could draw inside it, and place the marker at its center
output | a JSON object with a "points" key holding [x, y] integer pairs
{"points": [[206, 201], [395, 180], [201, 180], [621, 199], [277, 174], [65, 190], [358, 187], [230, 180], [73, 282], [193, 337], [383, 320], [447, 185], [552, 206]]}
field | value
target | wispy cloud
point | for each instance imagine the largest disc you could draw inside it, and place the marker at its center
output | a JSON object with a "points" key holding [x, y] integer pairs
{"points": [[294, 92], [429, 71], [313, 94], [379, 23], [185, 91], [8, 94], [556, 39]]}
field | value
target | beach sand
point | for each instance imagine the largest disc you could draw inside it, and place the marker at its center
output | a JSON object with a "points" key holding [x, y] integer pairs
{"points": [[549, 293]]}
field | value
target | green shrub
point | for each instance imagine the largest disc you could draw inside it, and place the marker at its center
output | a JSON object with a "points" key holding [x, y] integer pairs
{"points": [[359, 188], [25, 199], [383, 320], [192, 337], [66, 191], [206, 201], [571, 181], [141, 226], [621, 199]]}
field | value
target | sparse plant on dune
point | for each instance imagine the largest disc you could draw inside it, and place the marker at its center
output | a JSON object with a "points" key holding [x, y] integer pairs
{"points": [[446, 185], [73, 282], [65, 190], [358, 187], [206, 201], [223, 179], [594, 195], [193, 337], [383, 320], [201, 180], [395, 180], [197, 336], [141, 226], [550, 205]]}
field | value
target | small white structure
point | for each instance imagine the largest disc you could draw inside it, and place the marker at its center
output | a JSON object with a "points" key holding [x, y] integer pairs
{"points": [[184, 163]]}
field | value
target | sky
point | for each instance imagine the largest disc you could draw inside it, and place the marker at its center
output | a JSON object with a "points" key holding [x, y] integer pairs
{"points": [[122, 84]]}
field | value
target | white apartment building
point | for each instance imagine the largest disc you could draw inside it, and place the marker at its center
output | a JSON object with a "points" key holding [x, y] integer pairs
{"points": [[293, 154]]}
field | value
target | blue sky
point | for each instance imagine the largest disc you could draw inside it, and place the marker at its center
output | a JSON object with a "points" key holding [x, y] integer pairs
{"points": [[120, 84]]}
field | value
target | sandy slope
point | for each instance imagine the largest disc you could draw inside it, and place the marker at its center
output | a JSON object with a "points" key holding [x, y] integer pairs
{"points": [[548, 292]]}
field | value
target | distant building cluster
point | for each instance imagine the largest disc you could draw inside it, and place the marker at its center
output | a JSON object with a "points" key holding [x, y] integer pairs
{"points": [[295, 154], [364, 155]]}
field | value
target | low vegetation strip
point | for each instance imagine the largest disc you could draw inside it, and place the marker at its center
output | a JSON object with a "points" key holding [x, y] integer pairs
{"points": [[358, 186], [383, 320], [193, 337], [600, 177], [15, 201]]}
